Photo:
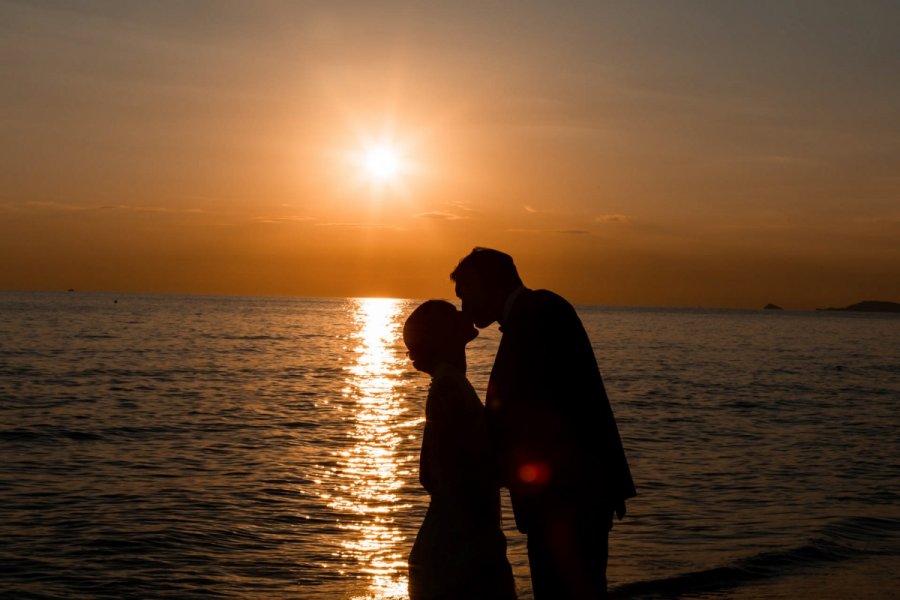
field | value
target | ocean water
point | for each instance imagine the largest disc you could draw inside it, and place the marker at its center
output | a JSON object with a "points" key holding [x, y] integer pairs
{"points": [[222, 447]]}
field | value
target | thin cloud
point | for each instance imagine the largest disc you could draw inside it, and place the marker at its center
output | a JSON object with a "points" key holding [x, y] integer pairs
{"points": [[771, 159], [556, 231], [367, 226], [152, 209], [43, 205], [614, 218], [891, 219], [283, 219], [463, 208], [439, 216], [60, 207]]}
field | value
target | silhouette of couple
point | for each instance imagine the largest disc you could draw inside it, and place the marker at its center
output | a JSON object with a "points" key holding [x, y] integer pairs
{"points": [[546, 432]]}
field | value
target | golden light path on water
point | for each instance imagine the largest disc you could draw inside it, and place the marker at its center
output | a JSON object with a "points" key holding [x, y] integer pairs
{"points": [[373, 469]]}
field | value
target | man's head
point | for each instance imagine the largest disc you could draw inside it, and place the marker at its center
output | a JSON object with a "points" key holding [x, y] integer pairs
{"points": [[484, 279], [436, 331]]}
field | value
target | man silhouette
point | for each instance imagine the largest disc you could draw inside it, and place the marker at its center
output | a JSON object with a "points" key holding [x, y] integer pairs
{"points": [[553, 437]]}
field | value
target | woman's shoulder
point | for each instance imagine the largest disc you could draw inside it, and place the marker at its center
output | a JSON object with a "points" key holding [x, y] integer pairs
{"points": [[451, 391], [448, 377]]}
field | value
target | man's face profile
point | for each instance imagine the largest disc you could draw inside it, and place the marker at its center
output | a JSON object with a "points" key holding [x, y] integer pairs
{"points": [[478, 301]]}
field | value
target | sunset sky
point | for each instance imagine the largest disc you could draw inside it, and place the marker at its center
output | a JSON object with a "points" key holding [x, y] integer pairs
{"points": [[682, 153]]}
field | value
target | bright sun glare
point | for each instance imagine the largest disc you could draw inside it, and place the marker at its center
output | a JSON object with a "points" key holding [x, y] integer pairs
{"points": [[382, 162]]}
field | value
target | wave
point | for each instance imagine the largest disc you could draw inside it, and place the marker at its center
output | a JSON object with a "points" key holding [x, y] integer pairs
{"points": [[31, 434], [250, 337], [842, 540], [50, 433]]}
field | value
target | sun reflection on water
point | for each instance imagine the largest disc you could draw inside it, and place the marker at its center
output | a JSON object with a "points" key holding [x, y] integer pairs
{"points": [[372, 468]]}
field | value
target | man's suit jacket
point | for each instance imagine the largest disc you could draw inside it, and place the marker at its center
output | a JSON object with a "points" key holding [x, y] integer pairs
{"points": [[554, 439]]}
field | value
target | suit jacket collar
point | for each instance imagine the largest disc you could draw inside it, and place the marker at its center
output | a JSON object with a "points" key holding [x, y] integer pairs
{"points": [[509, 304]]}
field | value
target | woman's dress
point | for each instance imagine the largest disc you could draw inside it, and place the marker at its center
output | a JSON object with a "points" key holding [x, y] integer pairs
{"points": [[460, 550]]}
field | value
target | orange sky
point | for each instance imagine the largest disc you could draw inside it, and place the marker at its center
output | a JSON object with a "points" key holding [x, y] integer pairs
{"points": [[655, 153]]}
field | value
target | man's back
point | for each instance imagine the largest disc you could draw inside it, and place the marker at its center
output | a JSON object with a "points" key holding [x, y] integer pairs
{"points": [[554, 436]]}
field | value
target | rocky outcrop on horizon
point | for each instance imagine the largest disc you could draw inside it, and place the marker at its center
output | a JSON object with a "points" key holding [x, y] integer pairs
{"points": [[870, 306]]}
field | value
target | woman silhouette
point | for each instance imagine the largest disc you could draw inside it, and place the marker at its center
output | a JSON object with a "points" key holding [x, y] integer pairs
{"points": [[460, 550]]}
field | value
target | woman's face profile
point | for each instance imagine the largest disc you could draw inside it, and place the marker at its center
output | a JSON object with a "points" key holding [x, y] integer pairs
{"points": [[442, 337]]}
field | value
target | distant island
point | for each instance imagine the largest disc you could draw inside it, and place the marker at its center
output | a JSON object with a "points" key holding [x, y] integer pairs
{"points": [[870, 306], [772, 307]]}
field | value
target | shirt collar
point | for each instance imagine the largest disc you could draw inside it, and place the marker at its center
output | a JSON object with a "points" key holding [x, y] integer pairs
{"points": [[508, 304]]}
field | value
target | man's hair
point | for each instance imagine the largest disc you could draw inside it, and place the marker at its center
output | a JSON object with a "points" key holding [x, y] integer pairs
{"points": [[487, 265]]}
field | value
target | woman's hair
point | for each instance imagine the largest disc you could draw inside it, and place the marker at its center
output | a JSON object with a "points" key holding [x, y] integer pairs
{"points": [[431, 324]]}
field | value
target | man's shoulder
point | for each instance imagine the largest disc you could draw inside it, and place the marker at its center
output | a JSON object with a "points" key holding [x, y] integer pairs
{"points": [[545, 302], [548, 297]]}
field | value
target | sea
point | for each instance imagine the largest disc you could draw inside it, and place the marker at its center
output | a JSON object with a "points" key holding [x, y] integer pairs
{"points": [[165, 446]]}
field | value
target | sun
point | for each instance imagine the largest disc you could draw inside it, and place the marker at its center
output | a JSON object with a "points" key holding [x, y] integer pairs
{"points": [[382, 162]]}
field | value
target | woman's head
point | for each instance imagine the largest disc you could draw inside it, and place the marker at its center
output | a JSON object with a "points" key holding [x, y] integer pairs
{"points": [[436, 331]]}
